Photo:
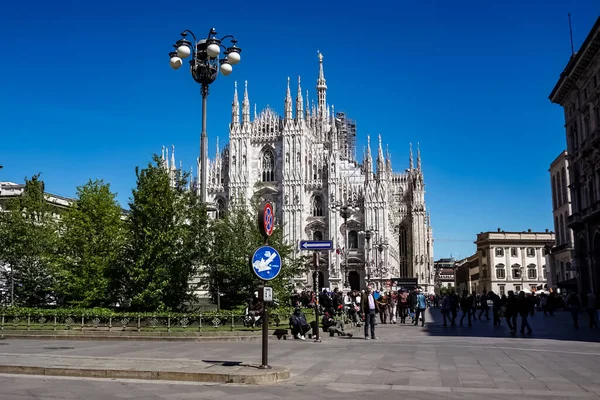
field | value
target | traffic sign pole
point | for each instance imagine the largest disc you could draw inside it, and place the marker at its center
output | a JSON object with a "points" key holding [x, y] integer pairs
{"points": [[266, 264], [265, 337], [316, 290]]}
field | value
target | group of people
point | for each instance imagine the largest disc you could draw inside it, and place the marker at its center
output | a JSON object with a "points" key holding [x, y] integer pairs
{"points": [[512, 306], [361, 307]]}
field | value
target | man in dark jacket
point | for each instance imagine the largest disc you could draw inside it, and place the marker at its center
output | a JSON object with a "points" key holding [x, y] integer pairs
{"points": [[369, 308], [466, 303], [512, 310], [298, 324]]}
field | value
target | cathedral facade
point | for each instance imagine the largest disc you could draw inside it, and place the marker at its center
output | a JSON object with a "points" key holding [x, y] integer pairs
{"points": [[303, 163]]}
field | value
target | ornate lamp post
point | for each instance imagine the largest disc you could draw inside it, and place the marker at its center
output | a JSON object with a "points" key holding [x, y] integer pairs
{"points": [[381, 269], [204, 67], [346, 210], [368, 235]]}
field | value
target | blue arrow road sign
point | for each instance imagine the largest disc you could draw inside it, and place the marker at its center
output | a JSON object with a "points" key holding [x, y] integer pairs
{"points": [[316, 245], [266, 263]]}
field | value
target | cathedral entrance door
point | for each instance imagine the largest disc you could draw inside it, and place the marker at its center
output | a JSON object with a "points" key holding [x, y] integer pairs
{"points": [[354, 280]]}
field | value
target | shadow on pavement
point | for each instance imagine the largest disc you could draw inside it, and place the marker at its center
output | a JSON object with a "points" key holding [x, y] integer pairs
{"points": [[556, 327]]}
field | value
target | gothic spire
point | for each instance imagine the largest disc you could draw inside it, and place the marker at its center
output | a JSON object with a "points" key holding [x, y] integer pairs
{"points": [[299, 103], [173, 165], [388, 158], [321, 89], [410, 162], [380, 161], [235, 106], [368, 162], [217, 154], [246, 106], [418, 156], [288, 102]]}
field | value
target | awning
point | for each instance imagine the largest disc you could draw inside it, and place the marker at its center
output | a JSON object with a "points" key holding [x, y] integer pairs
{"points": [[568, 284]]}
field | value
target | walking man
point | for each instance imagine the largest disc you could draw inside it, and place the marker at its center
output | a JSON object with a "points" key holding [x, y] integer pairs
{"points": [[369, 309], [420, 309]]}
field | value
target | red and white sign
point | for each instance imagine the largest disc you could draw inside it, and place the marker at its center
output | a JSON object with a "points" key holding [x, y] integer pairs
{"points": [[268, 219]]}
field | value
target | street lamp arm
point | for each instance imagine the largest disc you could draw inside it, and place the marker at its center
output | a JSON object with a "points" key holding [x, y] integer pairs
{"points": [[184, 34]]}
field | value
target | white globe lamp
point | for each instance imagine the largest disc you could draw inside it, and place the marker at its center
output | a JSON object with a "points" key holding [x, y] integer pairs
{"points": [[233, 57], [226, 69], [175, 62], [213, 50], [183, 51]]}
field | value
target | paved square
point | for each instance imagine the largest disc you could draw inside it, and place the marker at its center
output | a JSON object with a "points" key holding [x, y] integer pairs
{"points": [[414, 362]]}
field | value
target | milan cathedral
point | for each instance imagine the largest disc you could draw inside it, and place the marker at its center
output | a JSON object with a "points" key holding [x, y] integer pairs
{"points": [[304, 164]]}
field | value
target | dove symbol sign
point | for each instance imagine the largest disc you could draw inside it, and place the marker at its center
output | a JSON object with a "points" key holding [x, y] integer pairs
{"points": [[266, 263]]}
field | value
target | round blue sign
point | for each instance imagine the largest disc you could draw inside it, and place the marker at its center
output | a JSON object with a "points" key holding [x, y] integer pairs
{"points": [[266, 263]]}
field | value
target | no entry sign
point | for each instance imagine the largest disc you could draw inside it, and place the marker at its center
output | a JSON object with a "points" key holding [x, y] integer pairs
{"points": [[266, 219]]}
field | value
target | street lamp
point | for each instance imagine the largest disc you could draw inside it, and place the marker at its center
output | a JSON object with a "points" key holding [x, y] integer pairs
{"points": [[368, 235], [522, 269], [346, 210], [204, 67], [380, 268]]}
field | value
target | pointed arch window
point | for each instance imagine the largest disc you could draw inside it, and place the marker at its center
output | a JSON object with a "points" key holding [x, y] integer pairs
{"points": [[220, 208], [317, 206], [268, 166], [353, 239]]}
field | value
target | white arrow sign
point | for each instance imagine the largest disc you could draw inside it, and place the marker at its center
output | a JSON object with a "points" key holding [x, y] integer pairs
{"points": [[316, 245]]}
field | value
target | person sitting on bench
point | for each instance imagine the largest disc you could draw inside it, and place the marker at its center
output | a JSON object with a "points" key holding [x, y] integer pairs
{"points": [[298, 324]]}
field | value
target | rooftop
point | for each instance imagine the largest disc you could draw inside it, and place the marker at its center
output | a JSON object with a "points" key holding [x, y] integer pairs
{"points": [[577, 65]]}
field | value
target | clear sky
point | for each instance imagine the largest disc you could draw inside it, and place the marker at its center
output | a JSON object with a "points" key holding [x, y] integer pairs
{"points": [[86, 91]]}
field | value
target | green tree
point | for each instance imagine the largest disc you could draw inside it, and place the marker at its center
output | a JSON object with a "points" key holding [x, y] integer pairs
{"points": [[91, 243], [234, 239], [165, 241], [28, 239]]}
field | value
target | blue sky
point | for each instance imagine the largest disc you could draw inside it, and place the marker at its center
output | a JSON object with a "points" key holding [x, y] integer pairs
{"points": [[87, 92]]}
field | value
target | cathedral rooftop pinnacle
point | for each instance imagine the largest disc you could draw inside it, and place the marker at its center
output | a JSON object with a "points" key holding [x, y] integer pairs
{"points": [[410, 160]]}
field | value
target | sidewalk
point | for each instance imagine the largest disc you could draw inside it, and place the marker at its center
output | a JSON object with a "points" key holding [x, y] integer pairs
{"points": [[150, 368]]}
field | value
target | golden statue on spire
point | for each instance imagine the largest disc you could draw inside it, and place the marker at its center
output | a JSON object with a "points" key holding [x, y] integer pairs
{"points": [[320, 56]]}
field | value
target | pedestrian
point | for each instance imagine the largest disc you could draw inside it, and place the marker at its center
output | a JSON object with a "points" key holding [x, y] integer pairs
{"points": [[446, 308], [485, 308], [369, 309], [574, 306], [466, 303], [420, 306], [403, 305], [511, 312], [524, 311], [591, 309], [392, 306]]}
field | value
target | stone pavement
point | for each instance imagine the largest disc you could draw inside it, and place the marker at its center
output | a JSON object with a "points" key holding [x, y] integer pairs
{"points": [[413, 362]]}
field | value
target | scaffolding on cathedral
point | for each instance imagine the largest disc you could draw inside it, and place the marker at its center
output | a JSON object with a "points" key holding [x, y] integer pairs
{"points": [[347, 131]]}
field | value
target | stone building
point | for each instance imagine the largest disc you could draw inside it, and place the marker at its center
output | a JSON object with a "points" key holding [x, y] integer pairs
{"points": [[444, 273], [303, 162], [578, 92], [561, 273], [506, 261]]}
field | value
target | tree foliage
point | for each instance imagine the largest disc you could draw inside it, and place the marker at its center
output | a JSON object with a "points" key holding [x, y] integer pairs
{"points": [[94, 255], [28, 239], [165, 241], [234, 240], [92, 236]]}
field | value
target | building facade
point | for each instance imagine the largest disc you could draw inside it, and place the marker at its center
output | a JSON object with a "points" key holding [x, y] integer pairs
{"points": [[561, 273], [444, 273], [578, 92], [304, 163], [506, 261]]}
